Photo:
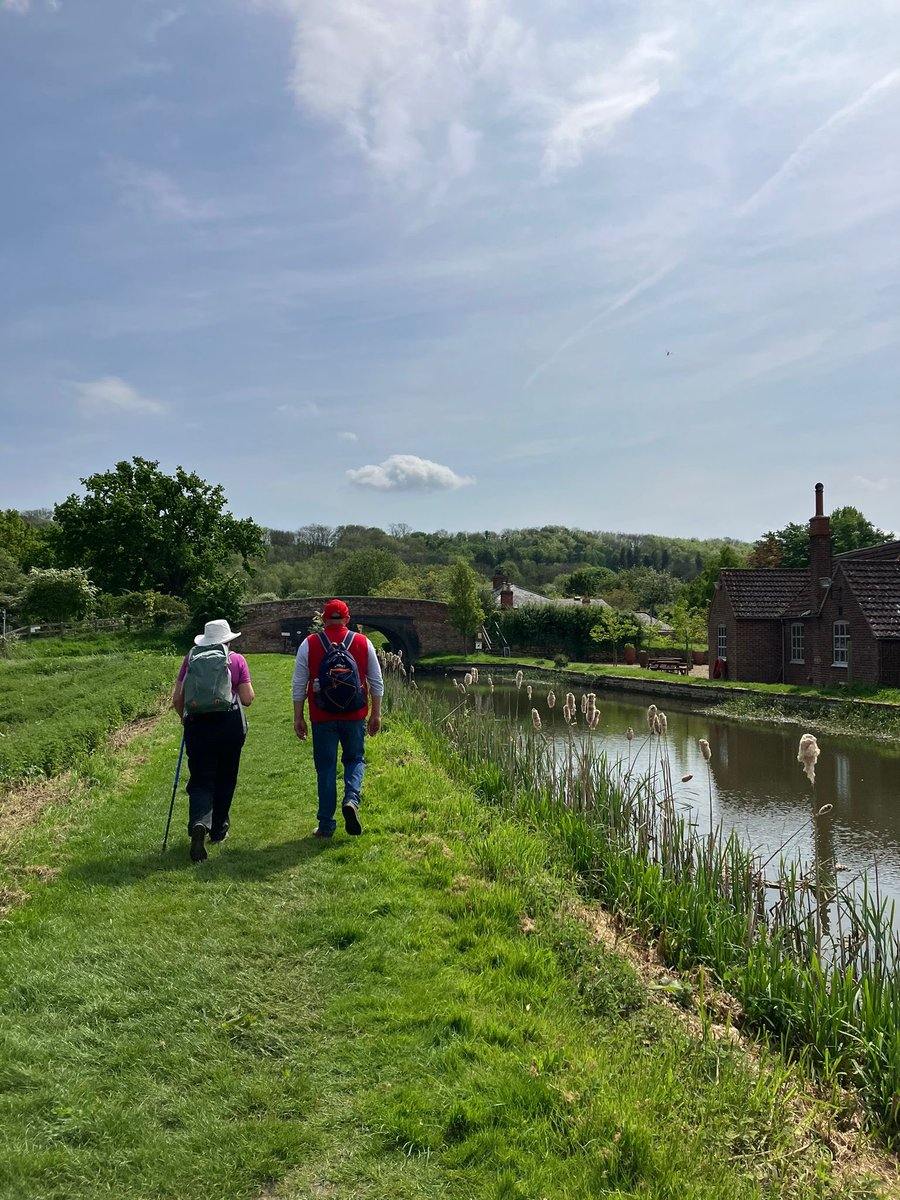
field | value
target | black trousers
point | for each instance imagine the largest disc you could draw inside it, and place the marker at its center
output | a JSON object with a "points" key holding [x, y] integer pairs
{"points": [[213, 742]]}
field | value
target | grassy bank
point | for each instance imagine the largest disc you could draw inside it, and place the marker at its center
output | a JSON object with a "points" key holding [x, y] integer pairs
{"points": [[813, 959], [414, 1013], [60, 699]]}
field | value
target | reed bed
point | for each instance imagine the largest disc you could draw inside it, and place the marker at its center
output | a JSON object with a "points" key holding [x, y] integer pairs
{"points": [[813, 959]]}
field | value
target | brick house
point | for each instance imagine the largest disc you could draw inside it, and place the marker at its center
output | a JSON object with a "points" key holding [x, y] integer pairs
{"points": [[836, 621]]}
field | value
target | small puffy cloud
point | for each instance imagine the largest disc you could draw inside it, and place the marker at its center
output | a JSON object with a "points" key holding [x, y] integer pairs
{"points": [[298, 412], [348, 436], [408, 472], [100, 397]]}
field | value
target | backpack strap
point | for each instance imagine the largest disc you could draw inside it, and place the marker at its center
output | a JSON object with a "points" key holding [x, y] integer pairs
{"points": [[348, 639], [325, 640]]}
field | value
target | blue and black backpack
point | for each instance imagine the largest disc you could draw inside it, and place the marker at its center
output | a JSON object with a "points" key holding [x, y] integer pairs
{"points": [[337, 687]]}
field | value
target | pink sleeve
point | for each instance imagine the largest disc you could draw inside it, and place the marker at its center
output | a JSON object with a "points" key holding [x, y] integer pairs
{"points": [[240, 672], [183, 671]]}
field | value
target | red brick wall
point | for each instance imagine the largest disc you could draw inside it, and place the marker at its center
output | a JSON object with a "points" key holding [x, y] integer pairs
{"points": [[419, 626], [721, 613], [863, 667], [890, 664]]}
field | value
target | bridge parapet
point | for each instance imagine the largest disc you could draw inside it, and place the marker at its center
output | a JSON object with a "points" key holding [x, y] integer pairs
{"points": [[417, 627]]}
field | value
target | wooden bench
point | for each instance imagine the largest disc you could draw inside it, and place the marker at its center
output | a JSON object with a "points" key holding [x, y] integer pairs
{"points": [[675, 666]]}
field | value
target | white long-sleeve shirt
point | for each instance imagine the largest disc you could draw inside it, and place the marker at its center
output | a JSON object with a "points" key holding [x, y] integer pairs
{"points": [[301, 671]]}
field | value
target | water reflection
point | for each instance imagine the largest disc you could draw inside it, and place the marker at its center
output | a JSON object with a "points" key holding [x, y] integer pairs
{"points": [[758, 787]]}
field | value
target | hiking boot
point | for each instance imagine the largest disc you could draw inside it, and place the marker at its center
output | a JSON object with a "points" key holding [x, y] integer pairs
{"points": [[351, 817], [218, 835], [198, 839], [321, 833]]}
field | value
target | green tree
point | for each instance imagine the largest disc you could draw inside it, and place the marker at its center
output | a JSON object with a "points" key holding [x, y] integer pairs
{"points": [[25, 537], [12, 582], [699, 592], [57, 594], [689, 623], [613, 628], [588, 581], [850, 530], [464, 602], [137, 529], [363, 571], [219, 596]]}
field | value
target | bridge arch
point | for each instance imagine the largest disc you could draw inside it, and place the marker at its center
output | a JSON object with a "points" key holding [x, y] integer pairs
{"points": [[417, 627]]}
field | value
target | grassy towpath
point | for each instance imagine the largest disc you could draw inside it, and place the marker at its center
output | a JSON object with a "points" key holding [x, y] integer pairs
{"points": [[406, 1014]]}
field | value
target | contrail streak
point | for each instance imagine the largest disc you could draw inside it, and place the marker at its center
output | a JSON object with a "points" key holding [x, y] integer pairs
{"points": [[620, 302], [813, 142]]}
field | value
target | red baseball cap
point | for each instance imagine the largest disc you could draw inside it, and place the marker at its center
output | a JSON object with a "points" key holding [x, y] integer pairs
{"points": [[336, 610]]}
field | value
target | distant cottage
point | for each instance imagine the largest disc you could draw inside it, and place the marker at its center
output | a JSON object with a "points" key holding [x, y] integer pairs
{"points": [[836, 621]]}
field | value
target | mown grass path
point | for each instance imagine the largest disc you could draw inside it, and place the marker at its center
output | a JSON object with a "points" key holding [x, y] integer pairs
{"points": [[405, 1014]]}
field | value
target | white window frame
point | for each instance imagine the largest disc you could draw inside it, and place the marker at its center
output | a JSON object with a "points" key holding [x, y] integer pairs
{"points": [[721, 641], [798, 648], [840, 644]]}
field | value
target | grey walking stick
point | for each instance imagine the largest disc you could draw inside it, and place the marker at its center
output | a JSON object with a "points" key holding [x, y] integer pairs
{"points": [[174, 790]]}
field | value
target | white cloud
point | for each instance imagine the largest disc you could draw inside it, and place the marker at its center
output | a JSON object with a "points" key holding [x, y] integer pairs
{"points": [[298, 411], [408, 80], [154, 193], [347, 436], [874, 485], [16, 6], [407, 472], [109, 395]]}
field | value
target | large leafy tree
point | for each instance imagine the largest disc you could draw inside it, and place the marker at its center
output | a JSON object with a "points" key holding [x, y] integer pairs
{"points": [[364, 571], [137, 529], [789, 547]]}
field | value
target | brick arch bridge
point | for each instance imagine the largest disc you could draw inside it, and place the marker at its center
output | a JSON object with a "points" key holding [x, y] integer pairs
{"points": [[417, 627]]}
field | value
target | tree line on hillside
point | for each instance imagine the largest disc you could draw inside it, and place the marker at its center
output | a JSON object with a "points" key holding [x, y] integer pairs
{"points": [[144, 545]]}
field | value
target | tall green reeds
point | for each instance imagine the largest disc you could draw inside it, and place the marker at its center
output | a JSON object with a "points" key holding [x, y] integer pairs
{"points": [[814, 964]]}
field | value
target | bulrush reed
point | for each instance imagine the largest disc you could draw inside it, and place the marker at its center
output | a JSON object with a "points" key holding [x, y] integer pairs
{"points": [[815, 963]]}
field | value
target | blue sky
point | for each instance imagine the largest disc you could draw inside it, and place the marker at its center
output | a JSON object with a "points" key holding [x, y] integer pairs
{"points": [[463, 264]]}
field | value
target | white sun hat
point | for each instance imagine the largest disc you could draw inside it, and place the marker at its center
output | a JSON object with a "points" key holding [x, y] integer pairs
{"points": [[215, 633]]}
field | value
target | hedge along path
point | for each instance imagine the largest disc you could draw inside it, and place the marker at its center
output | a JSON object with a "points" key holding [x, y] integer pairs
{"points": [[405, 1014]]}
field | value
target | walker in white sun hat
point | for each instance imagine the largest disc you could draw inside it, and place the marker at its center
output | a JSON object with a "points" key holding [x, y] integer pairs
{"points": [[215, 633]]}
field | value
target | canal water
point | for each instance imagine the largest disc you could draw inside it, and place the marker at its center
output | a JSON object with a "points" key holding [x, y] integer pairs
{"points": [[758, 787]]}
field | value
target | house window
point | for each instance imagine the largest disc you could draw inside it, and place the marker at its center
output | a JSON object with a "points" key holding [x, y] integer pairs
{"points": [[721, 642], [797, 642], [841, 639]]}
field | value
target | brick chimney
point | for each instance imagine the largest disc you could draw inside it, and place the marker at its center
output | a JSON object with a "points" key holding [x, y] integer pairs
{"points": [[819, 550], [500, 578], [506, 595]]}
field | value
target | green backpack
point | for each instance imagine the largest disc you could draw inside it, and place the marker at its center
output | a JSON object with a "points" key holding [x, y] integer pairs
{"points": [[207, 683]]}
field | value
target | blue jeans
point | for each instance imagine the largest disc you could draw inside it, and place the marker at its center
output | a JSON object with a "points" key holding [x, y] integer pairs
{"points": [[326, 737]]}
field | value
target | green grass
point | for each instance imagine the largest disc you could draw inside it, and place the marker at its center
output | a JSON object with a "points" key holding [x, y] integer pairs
{"points": [[413, 1013], [56, 709]]}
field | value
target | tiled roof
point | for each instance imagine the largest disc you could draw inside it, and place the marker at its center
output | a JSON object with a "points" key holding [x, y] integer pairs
{"points": [[876, 586], [653, 623], [800, 605], [886, 552], [522, 597], [759, 593]]}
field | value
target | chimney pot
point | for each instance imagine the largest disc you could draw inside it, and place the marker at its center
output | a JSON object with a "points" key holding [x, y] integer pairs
{"points": [[820, 506]]}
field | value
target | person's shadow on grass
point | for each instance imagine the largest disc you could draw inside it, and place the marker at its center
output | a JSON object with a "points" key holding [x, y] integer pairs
{"points": [[230, 859]]}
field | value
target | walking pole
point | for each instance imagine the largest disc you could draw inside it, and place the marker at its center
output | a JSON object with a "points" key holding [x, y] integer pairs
{"points": [[174, 790]]}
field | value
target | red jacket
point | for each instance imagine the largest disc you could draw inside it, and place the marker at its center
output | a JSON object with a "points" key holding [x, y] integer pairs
{"points": [[359, 649]]}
